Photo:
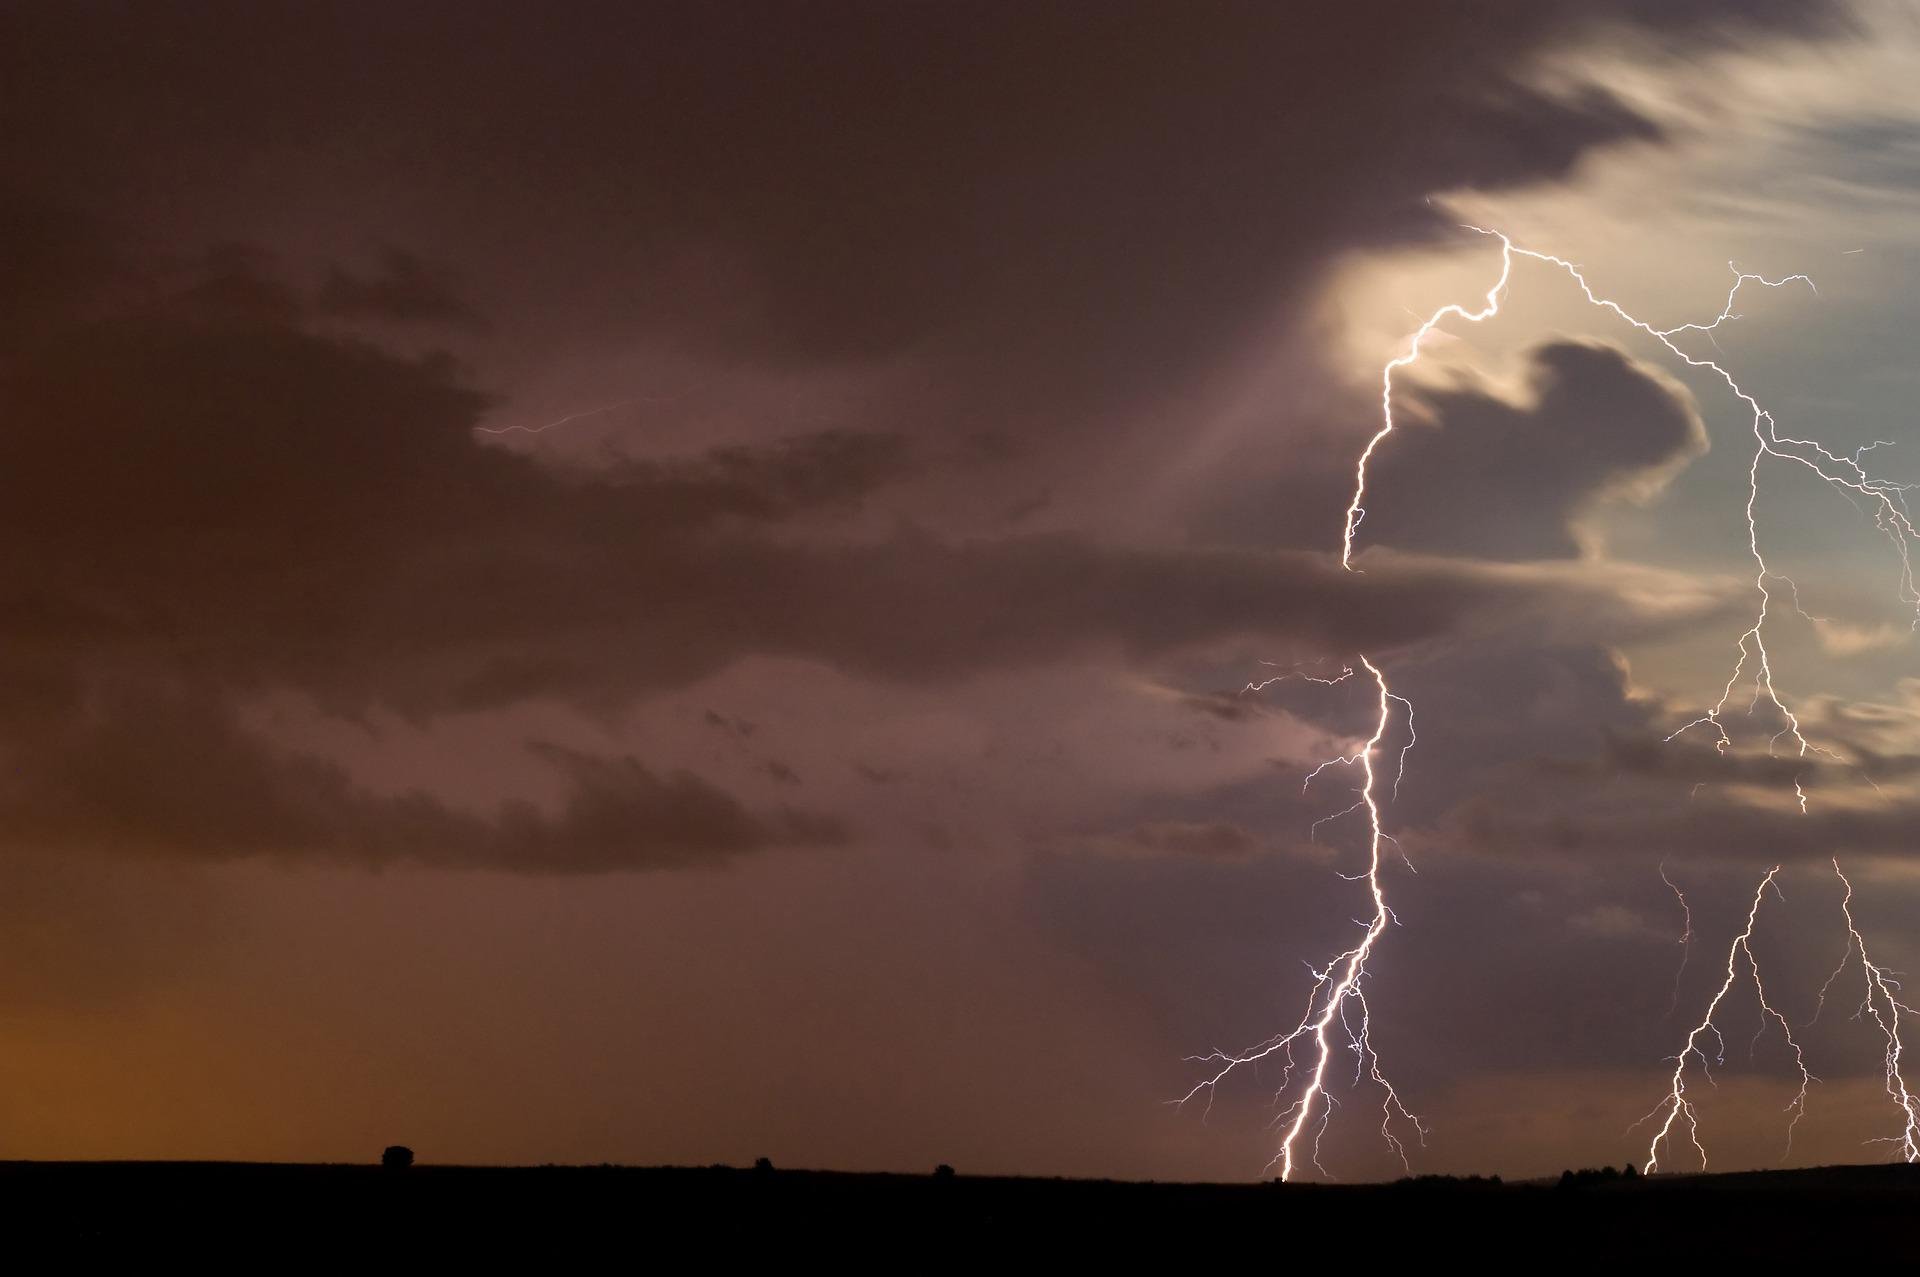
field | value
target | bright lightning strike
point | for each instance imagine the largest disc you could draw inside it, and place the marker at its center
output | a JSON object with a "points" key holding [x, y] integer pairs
{"points": [[1339, 982], [1337, 995], [1881, 1001], [1676, 1109]]}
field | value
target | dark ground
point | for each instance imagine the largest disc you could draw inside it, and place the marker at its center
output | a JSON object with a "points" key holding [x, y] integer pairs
{"points": [[293, 1216]]}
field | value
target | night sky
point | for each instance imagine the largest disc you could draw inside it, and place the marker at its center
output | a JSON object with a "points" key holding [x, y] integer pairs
{"points": [[672, 583]]}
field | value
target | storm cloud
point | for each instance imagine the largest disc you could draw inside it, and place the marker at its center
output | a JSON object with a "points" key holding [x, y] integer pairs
{"points": [[1478, 474], [678, 527]]}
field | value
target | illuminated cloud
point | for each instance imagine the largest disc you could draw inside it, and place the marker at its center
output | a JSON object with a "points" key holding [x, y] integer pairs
{"points": [[1478, 473]]}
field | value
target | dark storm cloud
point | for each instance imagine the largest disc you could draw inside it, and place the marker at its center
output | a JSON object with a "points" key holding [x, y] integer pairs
{"points": [[1194, 838], [1538, 747], [1073, 204], [212, 496], [275, 503], [225, 503], [1681, 763], [56, 261], [203, 482], [1654, 819], [1223, 706], [146, 773], [1471, 472], [1576, 767], [404, 289]]}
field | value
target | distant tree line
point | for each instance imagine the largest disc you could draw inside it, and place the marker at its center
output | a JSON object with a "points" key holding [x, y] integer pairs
{"points": [[1589, 1178]]}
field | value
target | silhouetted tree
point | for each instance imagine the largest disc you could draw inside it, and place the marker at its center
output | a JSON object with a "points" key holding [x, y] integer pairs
{"points": [[764, 1165], [396, 1157], [1588, 1177], [943, 1171]]}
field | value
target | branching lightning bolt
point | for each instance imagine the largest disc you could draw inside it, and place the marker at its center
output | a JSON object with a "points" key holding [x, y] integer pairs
{"points": [[1676, 1108], [1881, 1001], [1337, 994], [1845, 473], [1339, 982]]}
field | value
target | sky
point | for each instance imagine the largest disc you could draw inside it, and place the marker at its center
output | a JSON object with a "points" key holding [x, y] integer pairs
{"points": [[675, 583]]}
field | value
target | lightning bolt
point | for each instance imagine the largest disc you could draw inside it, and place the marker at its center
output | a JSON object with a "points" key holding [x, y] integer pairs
{"points": [[1844, 473], [1686, 936], [1676, 1108], [1881, 1001], [1339, 982], [588, 414], [1337, 995], [557, 422]]}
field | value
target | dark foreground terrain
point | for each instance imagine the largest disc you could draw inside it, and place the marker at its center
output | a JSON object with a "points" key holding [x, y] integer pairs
{"points": [[272, 1216]]}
